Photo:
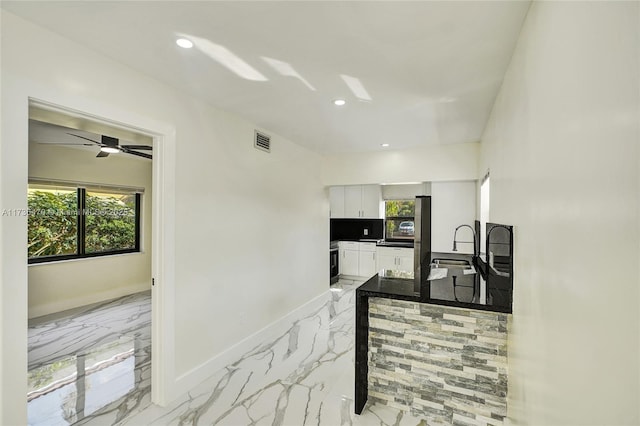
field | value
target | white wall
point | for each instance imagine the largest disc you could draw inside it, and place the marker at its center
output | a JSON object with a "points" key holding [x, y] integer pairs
{"points": [[452, 204], [562, 148], [251, 229], [437, 163], [57, 286]]}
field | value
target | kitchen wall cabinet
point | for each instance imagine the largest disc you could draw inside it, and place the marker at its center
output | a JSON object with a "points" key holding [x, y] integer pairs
{"points": [[395, 258], [356, 201], [452, 204]]}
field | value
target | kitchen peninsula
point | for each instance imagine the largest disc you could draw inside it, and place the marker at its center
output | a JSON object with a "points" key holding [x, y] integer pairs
{"points": [[435, 342]]}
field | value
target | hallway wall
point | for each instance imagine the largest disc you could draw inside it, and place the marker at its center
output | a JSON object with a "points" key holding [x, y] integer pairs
{"points": [[562, 149], [251, 230]]}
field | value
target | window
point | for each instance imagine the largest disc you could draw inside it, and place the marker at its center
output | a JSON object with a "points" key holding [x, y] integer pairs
{"points": [[69, 222], [399, 219]]}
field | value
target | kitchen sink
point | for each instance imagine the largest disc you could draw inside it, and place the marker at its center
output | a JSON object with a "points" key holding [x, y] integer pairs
{"points": [[443, 267], [450, 263]]}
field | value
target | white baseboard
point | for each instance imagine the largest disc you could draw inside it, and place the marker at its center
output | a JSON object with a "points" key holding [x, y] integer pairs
{"points": [[195, 376]]}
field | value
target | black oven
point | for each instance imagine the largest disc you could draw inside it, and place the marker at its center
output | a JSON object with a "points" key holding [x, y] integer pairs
{"points": [[334, 260]]}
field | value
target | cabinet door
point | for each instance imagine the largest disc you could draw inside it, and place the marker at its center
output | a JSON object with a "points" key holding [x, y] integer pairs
{"points": [[371, 202], [387, 262], [353, 201], [336, 201], [387, 258], [405, 263], [367, 266], [349, 262]]}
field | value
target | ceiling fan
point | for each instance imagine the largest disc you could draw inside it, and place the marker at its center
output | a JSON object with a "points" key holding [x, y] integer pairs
{"points": [[109, 145]]}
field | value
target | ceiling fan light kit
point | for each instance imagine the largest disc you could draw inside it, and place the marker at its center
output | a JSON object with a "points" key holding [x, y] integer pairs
{"points": [[109, 150], [109, 145]]}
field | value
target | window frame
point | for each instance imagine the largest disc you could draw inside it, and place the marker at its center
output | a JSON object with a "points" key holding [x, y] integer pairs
{"points": [[81, 194], [401, 219]]}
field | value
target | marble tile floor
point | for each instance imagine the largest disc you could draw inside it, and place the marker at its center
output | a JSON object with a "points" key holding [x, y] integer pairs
{"points": [[303, 377], [91, 364]]}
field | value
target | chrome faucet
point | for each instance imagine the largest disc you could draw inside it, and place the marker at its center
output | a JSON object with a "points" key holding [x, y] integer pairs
{"points": [[455, 242]]}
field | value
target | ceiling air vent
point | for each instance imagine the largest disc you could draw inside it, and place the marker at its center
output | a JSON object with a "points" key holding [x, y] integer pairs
{"points": [[262, 142]]}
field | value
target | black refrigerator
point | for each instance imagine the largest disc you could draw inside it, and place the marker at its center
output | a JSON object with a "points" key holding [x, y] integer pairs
{"points": [[422, 241]]}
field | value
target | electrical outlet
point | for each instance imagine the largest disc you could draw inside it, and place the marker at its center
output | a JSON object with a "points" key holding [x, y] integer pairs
{"points": [[366, 231]]}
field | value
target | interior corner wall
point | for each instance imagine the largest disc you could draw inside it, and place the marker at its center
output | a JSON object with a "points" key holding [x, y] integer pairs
{"points": [[58, 286], [562, 149], [251, 229]]}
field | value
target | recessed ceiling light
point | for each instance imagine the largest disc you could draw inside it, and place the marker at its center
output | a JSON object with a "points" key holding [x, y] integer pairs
{"points": [[339, 102], [184, 43], [384, 145]]}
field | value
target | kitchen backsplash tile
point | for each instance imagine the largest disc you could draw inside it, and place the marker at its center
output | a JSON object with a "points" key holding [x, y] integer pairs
{"points": [[356, 229]]}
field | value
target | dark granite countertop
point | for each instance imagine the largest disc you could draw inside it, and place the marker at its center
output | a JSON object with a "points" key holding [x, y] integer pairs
{"points": [[458, 286], [403, 244]]}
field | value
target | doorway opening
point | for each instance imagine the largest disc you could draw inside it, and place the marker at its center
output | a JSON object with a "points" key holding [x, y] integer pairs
{"points": [[91, 256]]}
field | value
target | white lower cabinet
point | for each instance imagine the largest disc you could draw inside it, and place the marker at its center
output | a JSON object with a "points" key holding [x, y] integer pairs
{"points": [[357, 259], [367, 267], [395, 258], [365, 259], [386, 261], [349, 252], [349, 262]]}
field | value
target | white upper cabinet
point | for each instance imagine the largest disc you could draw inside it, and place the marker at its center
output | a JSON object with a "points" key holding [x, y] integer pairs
{"points": [[356, 201], [336, 201], [372, 202], [452, 204], [353, 201]]}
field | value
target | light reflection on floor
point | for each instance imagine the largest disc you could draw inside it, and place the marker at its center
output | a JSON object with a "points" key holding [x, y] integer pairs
{"points": [[90, 364]]}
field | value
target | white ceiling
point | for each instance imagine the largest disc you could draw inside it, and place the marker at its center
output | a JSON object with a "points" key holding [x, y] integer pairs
{"points": [[431, 68]]}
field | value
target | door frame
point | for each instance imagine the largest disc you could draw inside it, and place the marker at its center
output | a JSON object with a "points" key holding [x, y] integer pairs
{"points": [[162, 234]]}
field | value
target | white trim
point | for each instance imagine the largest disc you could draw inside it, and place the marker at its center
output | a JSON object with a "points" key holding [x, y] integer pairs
{"points": [[90, 186], [163, 269], [272, 331]]}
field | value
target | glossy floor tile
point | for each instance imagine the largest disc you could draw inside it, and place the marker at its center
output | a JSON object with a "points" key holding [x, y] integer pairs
{"points": [[91, 364], [303, 377]]}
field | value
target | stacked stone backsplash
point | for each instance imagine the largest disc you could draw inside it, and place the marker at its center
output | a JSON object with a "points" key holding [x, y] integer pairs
{"points": [[444, 363]]}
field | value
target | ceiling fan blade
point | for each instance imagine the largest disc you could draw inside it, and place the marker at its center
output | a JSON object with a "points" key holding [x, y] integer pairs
{"points": [[65, 143], [138, 147], [82, 137], [139, 154], [102, 154]]}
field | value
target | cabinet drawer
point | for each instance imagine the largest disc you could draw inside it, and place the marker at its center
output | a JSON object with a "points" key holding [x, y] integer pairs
{"points": [[349, 245], [367, 246], [394, 251]]}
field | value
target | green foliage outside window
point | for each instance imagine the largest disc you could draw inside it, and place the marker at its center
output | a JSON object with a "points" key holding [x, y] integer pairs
{"points": [[110, 222], [53, 224], [400, 208]]}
